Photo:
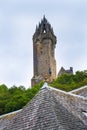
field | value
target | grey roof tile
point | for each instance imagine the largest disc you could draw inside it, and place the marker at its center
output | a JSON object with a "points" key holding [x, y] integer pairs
{"points": [[45, 112], [81, 91]]}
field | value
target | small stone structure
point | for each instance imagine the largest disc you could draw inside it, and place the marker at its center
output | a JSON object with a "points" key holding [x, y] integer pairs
{"points": [[63, 71], [44, 42]]}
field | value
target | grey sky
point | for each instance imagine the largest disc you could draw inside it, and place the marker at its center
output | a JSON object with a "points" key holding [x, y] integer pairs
{"points": [[18, 19]]}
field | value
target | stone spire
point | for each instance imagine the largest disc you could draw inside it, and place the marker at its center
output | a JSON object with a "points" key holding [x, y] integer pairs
{"points": [[44, 30], [44, 62]]}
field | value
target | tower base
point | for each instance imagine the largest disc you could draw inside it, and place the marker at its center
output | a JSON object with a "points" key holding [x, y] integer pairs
{"points": [[36, 79]]}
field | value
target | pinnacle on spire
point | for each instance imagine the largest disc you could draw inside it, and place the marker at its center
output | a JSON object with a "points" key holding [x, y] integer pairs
{"points": [[44, 25], [44, 29], [44, 18]]}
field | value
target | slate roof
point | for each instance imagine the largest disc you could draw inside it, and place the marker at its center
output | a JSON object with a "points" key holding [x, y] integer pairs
{"points": [[5, 119], [51, 109], [81, 91]]}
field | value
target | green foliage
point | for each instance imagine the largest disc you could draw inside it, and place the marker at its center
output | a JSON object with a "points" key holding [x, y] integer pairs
{"points": [[68, 82], [15, 98]]}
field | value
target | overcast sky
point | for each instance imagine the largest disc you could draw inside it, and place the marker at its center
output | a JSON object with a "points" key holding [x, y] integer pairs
{"points": [[18, 19]]}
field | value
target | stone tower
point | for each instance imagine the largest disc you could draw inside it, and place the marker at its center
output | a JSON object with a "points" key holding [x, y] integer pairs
{"points": [[44, 42]]}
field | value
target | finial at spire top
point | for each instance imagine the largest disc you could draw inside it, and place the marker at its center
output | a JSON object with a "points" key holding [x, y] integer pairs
{"points": [[44, 16], [44, 27]]}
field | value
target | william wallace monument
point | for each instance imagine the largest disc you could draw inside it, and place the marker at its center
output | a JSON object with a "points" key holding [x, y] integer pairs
{"points": [[44, 43]]}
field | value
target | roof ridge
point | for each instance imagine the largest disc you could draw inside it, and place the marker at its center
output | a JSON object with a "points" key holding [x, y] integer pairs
{"points": [[78, 89], [45, 85], [67, 93], [14, 112], [46, 111], [41, 106]]}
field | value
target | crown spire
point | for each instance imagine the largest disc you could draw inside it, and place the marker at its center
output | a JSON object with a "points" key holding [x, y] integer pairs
{"points": [[44, 29]]}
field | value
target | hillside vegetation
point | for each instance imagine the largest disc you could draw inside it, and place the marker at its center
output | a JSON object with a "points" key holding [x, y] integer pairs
{"points": [[15, 98], [68, 82]]}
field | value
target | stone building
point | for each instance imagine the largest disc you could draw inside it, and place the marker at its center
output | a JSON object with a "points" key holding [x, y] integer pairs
{"points": [[50, 109], [63, 71], [44, 43]]}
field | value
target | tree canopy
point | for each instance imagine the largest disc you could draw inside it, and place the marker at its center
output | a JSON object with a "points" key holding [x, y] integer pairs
{"points": [[15, 98], [68, 82]]}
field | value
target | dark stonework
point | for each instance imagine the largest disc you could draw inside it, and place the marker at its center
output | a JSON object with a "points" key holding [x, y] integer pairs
{"points": [[44, 63]]}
